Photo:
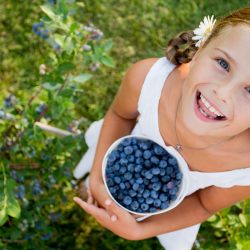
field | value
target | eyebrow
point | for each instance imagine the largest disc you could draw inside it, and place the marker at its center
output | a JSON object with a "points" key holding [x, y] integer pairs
{"points": [[227, 55]]}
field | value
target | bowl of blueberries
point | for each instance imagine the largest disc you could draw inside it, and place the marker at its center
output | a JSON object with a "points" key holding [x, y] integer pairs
{"points": [[143, 177]]}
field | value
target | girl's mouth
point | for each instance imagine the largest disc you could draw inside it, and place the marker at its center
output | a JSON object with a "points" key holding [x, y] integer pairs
{"points": [[204, 111]]}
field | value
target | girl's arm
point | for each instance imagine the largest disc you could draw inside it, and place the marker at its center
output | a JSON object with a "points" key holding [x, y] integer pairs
{"points": [[119, 121], [194, 209]]}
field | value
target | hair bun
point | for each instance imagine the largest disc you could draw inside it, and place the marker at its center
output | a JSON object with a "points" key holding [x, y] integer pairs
{"points": [[181, 49]]}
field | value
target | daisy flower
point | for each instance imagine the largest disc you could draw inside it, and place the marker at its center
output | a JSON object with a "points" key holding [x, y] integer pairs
{"points": [[204, 30]]}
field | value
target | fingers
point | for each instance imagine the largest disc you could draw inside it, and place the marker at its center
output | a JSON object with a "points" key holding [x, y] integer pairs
{"points": [[114, 209], [99, 213]]}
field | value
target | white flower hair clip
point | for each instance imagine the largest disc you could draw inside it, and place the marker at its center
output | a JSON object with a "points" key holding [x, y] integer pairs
{"points": [[203, 32]]}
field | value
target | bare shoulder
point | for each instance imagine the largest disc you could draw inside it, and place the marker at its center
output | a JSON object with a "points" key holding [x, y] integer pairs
{"points": [[214, 198], [127, 97]]}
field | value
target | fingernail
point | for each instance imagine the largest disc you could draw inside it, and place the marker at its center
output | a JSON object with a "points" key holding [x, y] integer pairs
{"points": [[108, 202], [113, 218], [76, 199]]}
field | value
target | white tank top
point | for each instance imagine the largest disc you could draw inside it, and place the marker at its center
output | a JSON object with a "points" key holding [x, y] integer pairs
{"points": [[147, 125]]}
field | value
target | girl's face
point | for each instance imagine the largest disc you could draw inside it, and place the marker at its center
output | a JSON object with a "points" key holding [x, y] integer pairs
{"points": [[218, 84]]}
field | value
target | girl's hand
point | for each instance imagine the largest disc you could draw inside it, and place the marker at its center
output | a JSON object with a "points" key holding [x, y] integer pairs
{"points": [[120, 222]]}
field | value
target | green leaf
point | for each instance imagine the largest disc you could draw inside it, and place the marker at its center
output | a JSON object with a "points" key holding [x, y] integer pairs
{"points": [[59, 39], [69, 45], [82, 78], [66, 66], [108, 61], [108, 46], [73, 27], [13, 207], [3, 216], [49, 12], [48, 86], [243, 219]]}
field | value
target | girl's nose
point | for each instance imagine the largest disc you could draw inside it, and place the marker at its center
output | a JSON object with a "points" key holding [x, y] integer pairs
{"points": [[223, 91]]}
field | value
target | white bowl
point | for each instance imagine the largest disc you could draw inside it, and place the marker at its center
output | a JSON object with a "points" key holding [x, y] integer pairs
{"points": [[183, 188]]}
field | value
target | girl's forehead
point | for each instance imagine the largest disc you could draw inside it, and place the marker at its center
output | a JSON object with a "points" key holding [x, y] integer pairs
{"points": [[235, 41], [233, 36]]}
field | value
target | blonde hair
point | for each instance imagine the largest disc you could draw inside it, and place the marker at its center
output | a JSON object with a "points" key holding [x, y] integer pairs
{"points": [[181, 49]]}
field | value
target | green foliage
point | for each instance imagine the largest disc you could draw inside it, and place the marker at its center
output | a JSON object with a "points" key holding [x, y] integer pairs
{"points": [[66, 77]]}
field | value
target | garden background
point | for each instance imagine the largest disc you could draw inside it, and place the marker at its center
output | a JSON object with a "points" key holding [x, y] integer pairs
{"points": [[61, 63]]}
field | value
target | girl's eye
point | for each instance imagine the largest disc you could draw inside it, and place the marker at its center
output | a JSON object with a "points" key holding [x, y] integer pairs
{"points": [[248, 90], [223, 64]]}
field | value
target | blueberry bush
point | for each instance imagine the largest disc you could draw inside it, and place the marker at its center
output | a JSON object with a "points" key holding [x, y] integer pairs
{"points": [[57, 76]]}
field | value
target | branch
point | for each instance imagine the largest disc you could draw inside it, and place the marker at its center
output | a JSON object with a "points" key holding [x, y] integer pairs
{"points": [[54, 130]]}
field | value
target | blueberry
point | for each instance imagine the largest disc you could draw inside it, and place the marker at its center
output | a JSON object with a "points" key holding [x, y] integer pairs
{"points": [[157, 186], [169, 170], [147, 163], [163, 197], [139, 180], [152, 210], [110, 182], [122, 185], [163, 164], [173, 191], [164, 205], [131, 167], [146, 193], [134, 205], [173, 197], [122, 170], [117, 179], [157, 202], [127, 185], [146, 181], [141, 200], [147, 154], [132, 193], [155, 171], [131, 158], [162, 172], [155, 179], [139, 161], [154, 160], [144, 206], [138, 153], [123, 155], [138, 168], [165, 178], [123, 161], [149, 200], [144, 145], [127, 200], [172, 161], [112, 156], [159, 150], [178, 176], [120, 197], [126, 142], [148, 175], [127, 176], [170, 185], [135, 186], [154, 194], [128, 150]]}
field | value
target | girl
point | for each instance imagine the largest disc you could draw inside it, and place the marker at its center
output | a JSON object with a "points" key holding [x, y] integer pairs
{"points": [[197, 100]]}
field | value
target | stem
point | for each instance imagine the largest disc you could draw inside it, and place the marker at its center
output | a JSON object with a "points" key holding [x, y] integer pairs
{"points": [[4, 188]]}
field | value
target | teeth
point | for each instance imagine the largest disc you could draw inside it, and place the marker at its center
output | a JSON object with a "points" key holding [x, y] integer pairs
{"points": [[212, 109]]}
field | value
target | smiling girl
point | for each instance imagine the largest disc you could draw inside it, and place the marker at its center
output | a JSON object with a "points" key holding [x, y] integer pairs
{"points": [[196, 99]]}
